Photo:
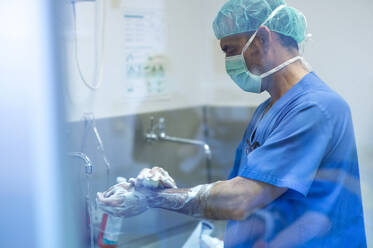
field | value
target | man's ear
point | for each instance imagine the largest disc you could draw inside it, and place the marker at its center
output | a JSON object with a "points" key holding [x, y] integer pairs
{"points": [[264, 37]]}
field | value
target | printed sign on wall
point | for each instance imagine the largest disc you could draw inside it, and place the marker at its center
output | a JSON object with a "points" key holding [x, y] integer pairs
{"points": [[144, 49]]}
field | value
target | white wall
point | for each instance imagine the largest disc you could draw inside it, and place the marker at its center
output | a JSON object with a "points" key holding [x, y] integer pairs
{"points": [[192, 79], [183, 53]]}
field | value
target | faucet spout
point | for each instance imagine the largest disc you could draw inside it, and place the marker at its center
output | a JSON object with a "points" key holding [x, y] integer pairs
{"points": [[164, 137], [86, 160], [157, 133]]}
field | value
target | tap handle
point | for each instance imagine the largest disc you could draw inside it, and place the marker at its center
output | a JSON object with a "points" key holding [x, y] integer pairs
{"points": [[161, 124], [152, 123]]}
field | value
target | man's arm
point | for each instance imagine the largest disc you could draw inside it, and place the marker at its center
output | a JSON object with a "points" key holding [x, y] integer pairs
{"points": [[235, 199]]}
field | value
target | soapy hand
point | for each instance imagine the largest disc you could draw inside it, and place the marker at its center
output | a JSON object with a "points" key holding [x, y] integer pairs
{"points": [[122, 200], [154, 179], [161, 192]]}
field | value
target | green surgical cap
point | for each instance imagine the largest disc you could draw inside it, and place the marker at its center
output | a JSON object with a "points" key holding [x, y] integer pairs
{"points": [[241, 16]]}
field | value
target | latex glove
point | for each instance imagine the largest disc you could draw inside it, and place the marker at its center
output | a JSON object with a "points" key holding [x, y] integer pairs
{"points": [[155, 178], [187, 201], [121, 180], [122, 200]]}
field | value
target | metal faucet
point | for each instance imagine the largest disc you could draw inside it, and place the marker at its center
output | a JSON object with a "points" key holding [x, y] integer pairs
{"points": [[88, 172], [152, 135], [87, 162], [90, 123], [157, 133]]}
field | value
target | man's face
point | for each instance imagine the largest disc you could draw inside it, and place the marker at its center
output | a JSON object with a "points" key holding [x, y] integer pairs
{"points": [[233, 45]]}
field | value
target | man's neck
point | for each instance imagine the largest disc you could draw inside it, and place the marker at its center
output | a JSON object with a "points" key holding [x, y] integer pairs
{"points": [[282, 81]]}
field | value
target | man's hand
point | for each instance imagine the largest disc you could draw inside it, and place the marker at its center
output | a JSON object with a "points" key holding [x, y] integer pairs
{"points": [[122, 200], [154, 179], [127, 199]]}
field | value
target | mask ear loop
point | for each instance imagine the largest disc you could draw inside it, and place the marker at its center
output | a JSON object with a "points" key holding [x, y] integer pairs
{"points": [[248, 43], [280, 67]]}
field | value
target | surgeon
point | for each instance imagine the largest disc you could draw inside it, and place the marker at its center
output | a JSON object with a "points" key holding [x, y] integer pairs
{"points": [[295, 180]]}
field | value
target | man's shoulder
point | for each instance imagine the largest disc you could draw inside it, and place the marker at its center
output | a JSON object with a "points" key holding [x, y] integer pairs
{"points": [[328, 101], [319, 94]]}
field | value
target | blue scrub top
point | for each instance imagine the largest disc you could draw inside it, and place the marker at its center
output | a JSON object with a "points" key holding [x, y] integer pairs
{"points": [[305, 143]]}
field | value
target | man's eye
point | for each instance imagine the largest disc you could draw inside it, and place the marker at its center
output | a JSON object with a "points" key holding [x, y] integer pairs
{"points": [[231, 52]]}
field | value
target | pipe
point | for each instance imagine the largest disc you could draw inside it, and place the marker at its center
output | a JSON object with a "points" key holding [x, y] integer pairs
{"points": [[85, 158], [205, 146], [152, 135], [88, 172]]}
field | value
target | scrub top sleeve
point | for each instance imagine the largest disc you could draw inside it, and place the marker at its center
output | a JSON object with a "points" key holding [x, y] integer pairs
{"points": [[293, 152]]}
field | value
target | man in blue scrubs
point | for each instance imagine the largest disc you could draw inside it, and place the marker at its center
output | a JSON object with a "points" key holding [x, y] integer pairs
{"points": [[295, 180]]}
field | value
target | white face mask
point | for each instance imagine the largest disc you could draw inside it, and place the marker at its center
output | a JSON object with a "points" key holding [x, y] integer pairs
{"points": [[237, 69]]}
